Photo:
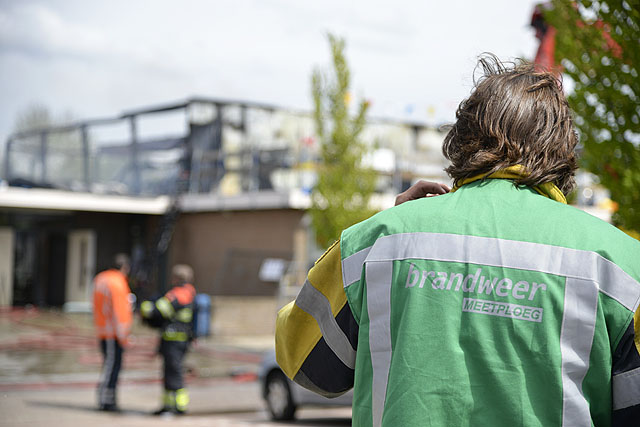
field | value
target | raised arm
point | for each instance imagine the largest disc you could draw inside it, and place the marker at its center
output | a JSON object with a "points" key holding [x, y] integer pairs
{"points": [[316, 335], [422, 189]]}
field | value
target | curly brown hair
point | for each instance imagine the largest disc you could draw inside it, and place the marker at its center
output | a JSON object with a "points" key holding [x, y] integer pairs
{"points": [[516, 115]]}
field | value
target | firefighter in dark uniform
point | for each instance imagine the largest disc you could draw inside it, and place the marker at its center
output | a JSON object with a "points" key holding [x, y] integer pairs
{"points": [[173, 315]]}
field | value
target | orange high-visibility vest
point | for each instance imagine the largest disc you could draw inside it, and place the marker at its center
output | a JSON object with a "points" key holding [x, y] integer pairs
{"points": [[112, 312]]}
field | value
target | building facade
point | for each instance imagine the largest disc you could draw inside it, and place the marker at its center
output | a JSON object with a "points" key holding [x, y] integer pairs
{"points": [[220, 185]]}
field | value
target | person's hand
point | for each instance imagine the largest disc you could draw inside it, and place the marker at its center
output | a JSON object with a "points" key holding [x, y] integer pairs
{"points": [[127, 342], [422, 189]]}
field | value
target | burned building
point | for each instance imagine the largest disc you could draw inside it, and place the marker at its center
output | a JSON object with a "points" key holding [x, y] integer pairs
{"points": [[221, 185]]}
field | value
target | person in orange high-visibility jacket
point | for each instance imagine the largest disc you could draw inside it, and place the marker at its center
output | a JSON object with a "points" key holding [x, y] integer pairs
{"points": [[112, 315], [173, 315]]}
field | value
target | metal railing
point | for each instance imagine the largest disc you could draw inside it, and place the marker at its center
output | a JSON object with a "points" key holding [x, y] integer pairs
{"points": [[197, 146]]}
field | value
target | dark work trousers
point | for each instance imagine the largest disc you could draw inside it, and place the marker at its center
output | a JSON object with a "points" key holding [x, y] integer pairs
{"points": [[173, 354], [112, 361]]}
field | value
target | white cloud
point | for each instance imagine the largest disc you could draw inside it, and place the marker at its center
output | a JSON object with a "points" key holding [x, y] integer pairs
{"points": [[99, 58], [36, 30]]}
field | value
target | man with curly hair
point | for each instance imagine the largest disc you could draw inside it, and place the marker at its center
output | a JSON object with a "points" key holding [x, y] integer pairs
{"points": [[495, 304]]}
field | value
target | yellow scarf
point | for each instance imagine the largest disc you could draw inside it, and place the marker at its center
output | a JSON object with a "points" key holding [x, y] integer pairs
{"points": [[548, 189]]}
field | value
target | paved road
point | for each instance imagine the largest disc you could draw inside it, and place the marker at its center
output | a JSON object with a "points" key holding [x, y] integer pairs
{"points": [[49, 366], [222, 402]]}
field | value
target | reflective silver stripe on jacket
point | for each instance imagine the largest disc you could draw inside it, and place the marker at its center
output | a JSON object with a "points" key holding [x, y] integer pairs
{"points": [[576, 337], [378, 276], [352, 267], [587, 273], [556, 260], [626, 389], [317, 305]]}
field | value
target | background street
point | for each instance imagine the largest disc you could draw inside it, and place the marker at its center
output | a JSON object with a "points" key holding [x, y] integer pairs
{"points": [[223, 402], [49, 366]]}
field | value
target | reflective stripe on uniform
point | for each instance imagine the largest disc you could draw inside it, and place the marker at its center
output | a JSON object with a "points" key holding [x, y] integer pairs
{"points": [[317, 305], [556, 260], [352, 267], [146, 308], [184, 315], [175, 336], [576, 337], [626, 389], [182, 399], [378, 277], [587, 274], [169, 398], [165, 308]]}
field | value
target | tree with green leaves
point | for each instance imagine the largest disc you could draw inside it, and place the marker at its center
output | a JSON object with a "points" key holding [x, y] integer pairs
{"points": [[344, 186], [598, 45]]}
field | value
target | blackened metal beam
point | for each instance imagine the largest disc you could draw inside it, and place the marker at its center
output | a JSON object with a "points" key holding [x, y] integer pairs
{"points": [[43, 156], [134, 155], [7, 160], [85, 157]]}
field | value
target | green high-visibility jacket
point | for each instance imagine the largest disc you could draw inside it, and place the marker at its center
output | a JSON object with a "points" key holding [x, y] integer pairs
{"points": [[489, 306]]}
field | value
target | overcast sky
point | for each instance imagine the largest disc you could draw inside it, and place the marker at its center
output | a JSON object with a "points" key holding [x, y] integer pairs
{"points": [[412, 59]]}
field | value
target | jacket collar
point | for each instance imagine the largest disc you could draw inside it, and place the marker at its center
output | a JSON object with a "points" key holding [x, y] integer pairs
{"points": [[548, 189]]}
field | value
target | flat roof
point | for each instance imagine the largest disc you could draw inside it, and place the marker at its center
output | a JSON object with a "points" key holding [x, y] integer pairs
{"points": [[253, 200], [40, 198], [53, 199]]}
